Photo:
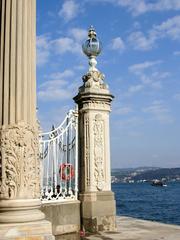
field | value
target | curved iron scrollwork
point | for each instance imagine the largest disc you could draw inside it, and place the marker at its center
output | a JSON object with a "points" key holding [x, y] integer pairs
{"points": [[57, 147]]}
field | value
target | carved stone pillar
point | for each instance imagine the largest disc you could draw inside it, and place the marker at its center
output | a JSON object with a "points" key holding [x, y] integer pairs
{"points": [[94, 102], [19, 162]]}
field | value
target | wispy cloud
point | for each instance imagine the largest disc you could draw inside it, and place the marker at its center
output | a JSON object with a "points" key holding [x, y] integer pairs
{"points": [[128, 123], [159, 112], [176, 53], [43, 50], [139, 41], [79, 34], [138, 7], [177, 96], [117, 44], [70, 43], [148, 74], [54, 116], [65, 44], [69, 10], [138, 68], [134, 89], [58, 87], [122, 110], [167, 29]]}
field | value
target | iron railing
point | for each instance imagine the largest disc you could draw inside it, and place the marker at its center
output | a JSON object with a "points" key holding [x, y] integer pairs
{"points": [[59, 160]]}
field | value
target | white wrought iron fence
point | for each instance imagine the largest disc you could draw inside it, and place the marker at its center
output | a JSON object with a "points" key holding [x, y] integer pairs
{"points": [[59, 160]]}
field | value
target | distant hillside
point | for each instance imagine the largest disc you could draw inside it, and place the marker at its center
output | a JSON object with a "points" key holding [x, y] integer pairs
{"points": [[167, 173], [120, 171], [145, 173]]}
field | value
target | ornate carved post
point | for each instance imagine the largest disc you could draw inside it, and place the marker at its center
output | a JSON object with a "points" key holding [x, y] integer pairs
{"points": [[94, 102], [19, 162]]}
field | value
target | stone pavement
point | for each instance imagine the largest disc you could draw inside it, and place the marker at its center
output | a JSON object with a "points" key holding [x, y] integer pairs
{"points": [[135, 229]]}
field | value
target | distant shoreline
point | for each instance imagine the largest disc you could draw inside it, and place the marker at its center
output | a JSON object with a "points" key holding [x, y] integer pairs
{"points": [[145, 174]]}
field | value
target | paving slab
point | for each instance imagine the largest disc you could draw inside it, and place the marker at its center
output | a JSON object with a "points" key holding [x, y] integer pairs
{"points": [[135, 229]]}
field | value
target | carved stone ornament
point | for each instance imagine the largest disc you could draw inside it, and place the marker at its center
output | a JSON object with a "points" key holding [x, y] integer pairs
{"points": [[19, 162], [99, 151], [98, 105], [94, 79], [87, 164]]}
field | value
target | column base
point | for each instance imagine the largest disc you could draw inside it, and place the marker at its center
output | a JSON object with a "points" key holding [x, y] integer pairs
{"points": [[40, 230], [98, 211], [20, 211]]}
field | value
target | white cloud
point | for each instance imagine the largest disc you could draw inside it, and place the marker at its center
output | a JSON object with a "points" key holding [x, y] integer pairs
{"points": [[59, 75], [135, 134], [177, 96], [69, 10], [54, 94], [129, 122], [140, 42], [66, 44], [138, 68], [123, 110], [137, 7], [79, 67], [117, 44], [161, 75], [159, 112], [177, 53], [72, 43], [55, 115], [43, 50], [57, 79], [167, 29], [135, 88], [148, 74], [79, 34], [58, 87], [47, 47]]}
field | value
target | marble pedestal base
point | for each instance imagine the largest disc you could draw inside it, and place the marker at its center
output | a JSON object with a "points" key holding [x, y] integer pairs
{"points": [[98, 211], [39, 230], [22, 219], [20, 211]]}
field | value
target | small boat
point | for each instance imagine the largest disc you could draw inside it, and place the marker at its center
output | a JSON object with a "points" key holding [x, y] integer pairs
{"points": [[158, 183]]}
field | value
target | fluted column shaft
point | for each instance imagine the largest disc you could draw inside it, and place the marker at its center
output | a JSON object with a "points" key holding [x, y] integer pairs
{"points": [[19, 163], [17, 61]]}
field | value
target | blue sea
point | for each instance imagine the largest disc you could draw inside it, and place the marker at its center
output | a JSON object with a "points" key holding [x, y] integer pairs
{"points": [[141, 200]]}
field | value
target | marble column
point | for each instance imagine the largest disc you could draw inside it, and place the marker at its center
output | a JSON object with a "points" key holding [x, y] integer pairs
{"points": [[98, 209], [19, 146]]}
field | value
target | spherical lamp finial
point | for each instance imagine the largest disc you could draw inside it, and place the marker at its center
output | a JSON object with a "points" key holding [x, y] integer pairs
{"points": [[92, 48]]}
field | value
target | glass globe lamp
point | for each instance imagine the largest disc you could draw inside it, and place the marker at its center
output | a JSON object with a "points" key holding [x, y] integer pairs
{"points": [[92, 48]]}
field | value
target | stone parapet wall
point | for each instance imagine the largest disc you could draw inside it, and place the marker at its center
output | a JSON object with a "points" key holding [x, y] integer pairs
{"points": [[64, 216]]}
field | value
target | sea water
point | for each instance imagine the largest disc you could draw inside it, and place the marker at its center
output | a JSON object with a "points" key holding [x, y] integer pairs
{"points": [[141, 200]]}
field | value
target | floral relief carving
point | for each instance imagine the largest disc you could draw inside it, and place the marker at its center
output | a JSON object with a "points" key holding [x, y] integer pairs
{"points": [[87, 164], [98, 129], [94, 79], [19, 163], [97, 105]]}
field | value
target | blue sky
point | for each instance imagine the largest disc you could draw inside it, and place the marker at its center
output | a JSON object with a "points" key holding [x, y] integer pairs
{"points": [[141, 62]]}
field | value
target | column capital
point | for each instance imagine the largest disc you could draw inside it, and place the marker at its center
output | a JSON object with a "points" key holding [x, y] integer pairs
{"points": [[94, 93]]}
